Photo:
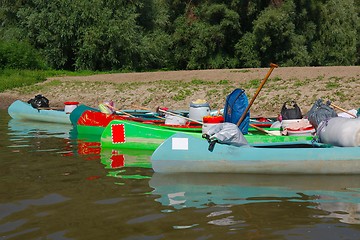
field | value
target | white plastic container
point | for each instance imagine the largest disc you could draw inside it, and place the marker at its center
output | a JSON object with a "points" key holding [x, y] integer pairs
{"points": [[174, 120], [287, 123], [339, 131], [297, 127], [70, 106], [198, 110], [308, 132]]}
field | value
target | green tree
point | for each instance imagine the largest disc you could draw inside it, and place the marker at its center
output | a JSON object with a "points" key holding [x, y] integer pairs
{"points": [[191, 34], [53, 28], [111, 38], [274, 39], [99, 34], [9, 30], [19, 55], [204, 37], [247, 52], [357, 6], [156, 42], [338, 34], [82, 34]]}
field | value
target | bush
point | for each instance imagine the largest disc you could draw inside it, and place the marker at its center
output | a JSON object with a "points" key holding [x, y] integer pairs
{"points": [[19, 55]]}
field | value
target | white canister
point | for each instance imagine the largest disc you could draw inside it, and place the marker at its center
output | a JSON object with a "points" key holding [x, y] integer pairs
{"points": [[198, 110]]}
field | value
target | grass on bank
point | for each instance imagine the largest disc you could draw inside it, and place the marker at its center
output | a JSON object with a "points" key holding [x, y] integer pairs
{"points": [[14, 78]]}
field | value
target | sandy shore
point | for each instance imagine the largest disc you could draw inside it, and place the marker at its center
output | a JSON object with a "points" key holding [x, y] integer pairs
{"points": [[176, 89]]}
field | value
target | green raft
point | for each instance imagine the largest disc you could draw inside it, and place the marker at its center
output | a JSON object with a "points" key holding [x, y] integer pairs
{"points": [[125, 134]]}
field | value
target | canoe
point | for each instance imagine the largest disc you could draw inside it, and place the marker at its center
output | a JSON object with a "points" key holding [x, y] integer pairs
{"points": [[184, 153], [24, 111], [94, 122], [77, 112], [137, 135], [91, 123], [262, 122]]}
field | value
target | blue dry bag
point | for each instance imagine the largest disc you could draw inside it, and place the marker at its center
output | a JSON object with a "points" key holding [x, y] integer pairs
{"points": [[235, 105]]}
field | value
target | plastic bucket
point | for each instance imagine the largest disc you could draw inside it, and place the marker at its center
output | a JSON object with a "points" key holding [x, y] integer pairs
{"points": [[70, 106], [213, 119], [209, 121]]}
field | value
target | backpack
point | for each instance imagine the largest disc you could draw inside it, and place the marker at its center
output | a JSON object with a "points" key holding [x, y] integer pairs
{"points": [[290, 113], [235, 105], [39, 101]]}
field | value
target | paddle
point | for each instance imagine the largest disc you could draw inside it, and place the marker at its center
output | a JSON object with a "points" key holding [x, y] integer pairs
{"points": [[144, 108], [272, 66], [118, 110], [177, 115], [275, 133], [343, 110], [50, 108]]}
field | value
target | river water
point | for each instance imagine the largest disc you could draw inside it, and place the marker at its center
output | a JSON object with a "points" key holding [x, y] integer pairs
{"points": [[54, 185]]}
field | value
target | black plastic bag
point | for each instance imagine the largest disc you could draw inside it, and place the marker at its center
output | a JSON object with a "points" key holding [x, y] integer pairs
{"points": [[290, 113], [39, 101], [320, 112]]}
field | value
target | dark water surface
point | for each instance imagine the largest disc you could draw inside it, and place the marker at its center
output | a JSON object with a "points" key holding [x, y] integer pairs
{"points": [[56, 186]]}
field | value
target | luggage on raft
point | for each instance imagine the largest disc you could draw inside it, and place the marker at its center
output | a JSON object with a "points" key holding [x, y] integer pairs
{"points": [[198, 109], [339, 131], [292, 112], [235, 105]]}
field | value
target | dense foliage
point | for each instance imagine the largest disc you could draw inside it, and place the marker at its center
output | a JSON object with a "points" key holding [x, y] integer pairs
{"points": [[163, 34]]}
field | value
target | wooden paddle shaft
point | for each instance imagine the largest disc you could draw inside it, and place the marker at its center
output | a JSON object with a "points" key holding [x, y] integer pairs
{"points": [[115, 109], [262, 130], [177, 115], [272, 66], [341, 109], [50, 108], [144, 108]]}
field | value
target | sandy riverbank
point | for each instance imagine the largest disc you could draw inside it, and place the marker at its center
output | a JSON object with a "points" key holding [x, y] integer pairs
{"points": [[176, 89]]}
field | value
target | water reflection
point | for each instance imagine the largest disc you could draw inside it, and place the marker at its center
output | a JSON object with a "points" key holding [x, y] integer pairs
{"points": [[33, 136], [31, 129], [120, 163], [117, 160], [56, 185], [337, 195]]}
